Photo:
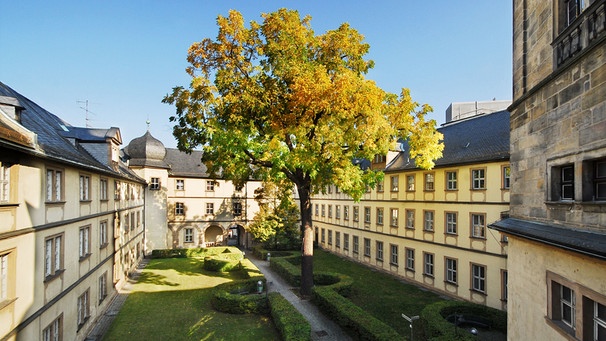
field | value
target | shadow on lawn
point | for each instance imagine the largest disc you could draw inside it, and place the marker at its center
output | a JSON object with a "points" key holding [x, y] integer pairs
{"points": [[154, 278]]}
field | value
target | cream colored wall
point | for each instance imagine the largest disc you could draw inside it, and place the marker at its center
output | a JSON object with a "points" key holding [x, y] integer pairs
{"points": [[156, 233], [528, 264], [490, 251]]}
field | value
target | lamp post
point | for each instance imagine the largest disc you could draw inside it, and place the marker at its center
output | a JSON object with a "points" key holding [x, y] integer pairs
{"points": [[410, 320]]}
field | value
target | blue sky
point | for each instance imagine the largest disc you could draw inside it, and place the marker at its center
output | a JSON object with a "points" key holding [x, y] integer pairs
{"points": [[124, 56]]}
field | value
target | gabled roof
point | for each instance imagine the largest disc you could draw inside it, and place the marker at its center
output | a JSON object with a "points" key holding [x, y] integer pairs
{"points": [[186, 165], [51, 133], [482, 138]]}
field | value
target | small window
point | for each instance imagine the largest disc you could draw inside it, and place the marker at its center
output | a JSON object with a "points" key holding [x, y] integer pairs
{"points": [[7, 283], [345, 241], [330, 211], [117, 187], [367, 215], [210, 208], [317, 210], [346, 212], [103, 190], [102, 287], [180, 185], [451, 181], [338, 239], [189, 235], [210, 185], [366, 247], [478, 278], [53, 255], [429, 182], [54, 331], [410, 183], [356, 213], [323, 210], [393, 221], [379, 251], [506, 177], [410, 219], [380, 216], [380, 186], [329, 237], [478, 225], [599, 180], [179, 208], [394, 183], [337, 211], [451, 222], [155, 184], [428, 264], [393, 254], [356, 244], [451, 270], [83, 309], [54, 185], [504, 289], [478, 179], [237, 209], [84, 242], [410, 259], [5, 182], [428, 221], [103, 234], [323, 236], [567, 182]]}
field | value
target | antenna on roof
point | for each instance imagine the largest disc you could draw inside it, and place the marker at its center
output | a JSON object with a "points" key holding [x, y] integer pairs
{"points": [[85, 108]]}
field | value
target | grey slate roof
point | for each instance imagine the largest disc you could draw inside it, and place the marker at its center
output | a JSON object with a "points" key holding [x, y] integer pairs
{"points": [[585, 242], [52, 144], [479, 139], [186, 165]]}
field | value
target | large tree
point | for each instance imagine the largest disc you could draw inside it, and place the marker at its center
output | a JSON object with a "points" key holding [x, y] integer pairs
{"points": [[274, 100]]}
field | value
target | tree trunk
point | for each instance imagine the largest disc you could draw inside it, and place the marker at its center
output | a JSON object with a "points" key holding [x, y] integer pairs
{"points": [[307, 268]]}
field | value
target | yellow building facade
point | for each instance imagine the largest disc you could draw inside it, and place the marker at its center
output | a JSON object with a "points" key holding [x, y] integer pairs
{"points": [[430, 227]]}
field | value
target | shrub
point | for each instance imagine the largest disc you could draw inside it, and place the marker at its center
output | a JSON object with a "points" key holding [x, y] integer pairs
{"points": [[169, 253], [240, 298], [437, 328], [220, 265], [289, 321]]}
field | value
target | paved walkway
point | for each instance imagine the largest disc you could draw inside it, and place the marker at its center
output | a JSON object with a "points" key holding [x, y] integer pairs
{"points": [[322, 328]]}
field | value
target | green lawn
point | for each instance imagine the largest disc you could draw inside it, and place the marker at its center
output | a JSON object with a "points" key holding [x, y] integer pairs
{"points": [[171, 301], [382, 295]]}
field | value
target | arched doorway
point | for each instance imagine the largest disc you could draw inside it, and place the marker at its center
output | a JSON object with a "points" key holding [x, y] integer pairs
{"points": [[235, 235], [213, 236]]}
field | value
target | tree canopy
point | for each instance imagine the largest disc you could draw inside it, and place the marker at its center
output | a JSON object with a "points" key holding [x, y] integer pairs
{"points": [[274, 100]]}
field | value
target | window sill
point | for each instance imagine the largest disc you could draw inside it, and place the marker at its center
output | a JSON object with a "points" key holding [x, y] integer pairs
{"points": [[451, 234], [429, 231], [7, 302], [102, 299], [561, 328], [454, 284], [428, 276], [9, 204], [85, 257], [429, 190], [478, 238], [452, 190], [483, 293], [55, 203], [57, 273], [393, 264], [478, 189], [80, 325], [393, 226], [104, 245], [85, 201], [410, 270]]}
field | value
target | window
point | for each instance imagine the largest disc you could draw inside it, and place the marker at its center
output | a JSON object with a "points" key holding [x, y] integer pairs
{"points": [[567, 183], [380, 186], [356, 244], [451, 181], [210, 208], [569, 11], [429, 182], [393, 254], [103, 236], [237, 208], [117, 190], [451, 270], [380, 216], [394, 180], [5, 182], [410, 183], [84, 187], [54, 185], [599, 180], [478, 278], [356, 213], [180, 185], [338, 239], [179, 208], [132, 221], [102, 287], [379, 251], [323, 236], [323, 210], [330, 211], [329, 189], [504, 289], [53, 256], [478, 225], [337, 211], [210, 186], [345, 241], [155, 184], [594, 180], [478, 179], [54, 331], [367, 215], [103, 189], [6, 289], [189, 235], [451, 222], [84, 242], [329, 237], [366, 247], [317, 210], [598, 330], [346, 212], [83, 309], [506, 177], [410, 259], [428, 220], [410, 219], [428, 264], [393, 220]]}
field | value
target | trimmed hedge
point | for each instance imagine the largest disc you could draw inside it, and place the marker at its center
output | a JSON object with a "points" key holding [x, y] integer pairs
{"points": [[228, 252], [220, 265], [437, 328], [293, 326], [240, 297]]}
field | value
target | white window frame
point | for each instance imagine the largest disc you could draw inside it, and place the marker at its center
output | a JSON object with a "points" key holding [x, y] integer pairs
{"points": [[210, 185], [428, 264], [53, 255], [179, 208], [380, 215], [367, 215], [84, 242], [478, 179], [478, 225], [451, 181], [188, 235], [154, 184], [83, 308], [379, 250], [5, 182], [410, 259], [102, 287], [410, 219], [393, 220], [450, 265], [103, 234], [54, 185], [429, 182], [210, 208], [451, 222], [84, 187], [356, 244], [478, 278], [367, 247], [410, 183], [54, 331], [179, 184], [394, 183], [103, 189], [429, 218], [393, 254]]}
